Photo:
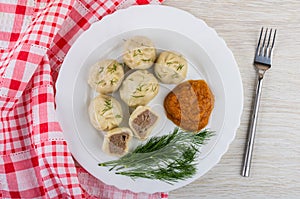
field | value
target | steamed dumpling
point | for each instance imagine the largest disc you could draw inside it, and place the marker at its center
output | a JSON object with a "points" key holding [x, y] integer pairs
{"points": [[116, 141], [105, 112], [142, 121], [106, 76], [139, 88], [170, 67], [139, 53]]}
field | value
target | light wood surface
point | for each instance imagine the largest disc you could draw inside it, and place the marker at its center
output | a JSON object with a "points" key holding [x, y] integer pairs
{"points": [[275, 171]]}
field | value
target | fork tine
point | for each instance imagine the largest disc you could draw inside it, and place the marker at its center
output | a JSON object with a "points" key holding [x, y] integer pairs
{"points": [[258, 45], [263, 44], [274, 38], [269, 37], [273, 42], [267, 50]]}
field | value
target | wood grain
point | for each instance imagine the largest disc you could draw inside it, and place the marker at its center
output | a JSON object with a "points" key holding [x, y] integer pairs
{"points": [[275, 169]]}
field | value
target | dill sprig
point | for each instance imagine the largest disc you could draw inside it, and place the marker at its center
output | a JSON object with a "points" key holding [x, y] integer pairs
{"points": [[168, 158]]}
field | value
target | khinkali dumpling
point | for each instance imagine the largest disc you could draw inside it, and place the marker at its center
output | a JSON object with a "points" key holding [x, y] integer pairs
{"points": [[139, 88], [139, 53], [106, 76], [105, 112], [142, 120], [170, 67], [116, 141]]}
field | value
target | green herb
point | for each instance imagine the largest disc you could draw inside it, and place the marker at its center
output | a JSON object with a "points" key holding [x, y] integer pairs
{"points": [[137, 52], [113, 81], [146, 60], [100, 82], [153, 88], [112, 68], [118, 116], [138, 96], [107, 106], [179, 67], [172, 62], [101, 69], [139, 88], [168, 158]]}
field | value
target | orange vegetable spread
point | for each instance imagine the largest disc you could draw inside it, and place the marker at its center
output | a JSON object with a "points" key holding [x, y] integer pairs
{"points": [[190, 104]]}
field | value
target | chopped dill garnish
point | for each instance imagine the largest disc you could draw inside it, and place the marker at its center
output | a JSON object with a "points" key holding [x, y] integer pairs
{"points": [[100, 82], [137, 52], [146, 60], [172, 62], [118, 116], [153, 88], [112, 68], [113, 81], [139, 88], [138, 96], [101, 69], [180, 66], [107, 106]]}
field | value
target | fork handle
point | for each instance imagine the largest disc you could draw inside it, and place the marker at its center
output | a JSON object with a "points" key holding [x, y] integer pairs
{"points": [[252, 128]]}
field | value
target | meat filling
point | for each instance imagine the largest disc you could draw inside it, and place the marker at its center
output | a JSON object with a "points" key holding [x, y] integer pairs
{"points": [[117, 143], [143, 122]]}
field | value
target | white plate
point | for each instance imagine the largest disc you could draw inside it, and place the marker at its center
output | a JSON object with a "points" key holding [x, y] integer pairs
{"points": [[170, 29]]}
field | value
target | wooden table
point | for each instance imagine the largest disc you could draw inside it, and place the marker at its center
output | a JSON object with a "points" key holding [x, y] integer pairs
{"points": [[275, 169]]}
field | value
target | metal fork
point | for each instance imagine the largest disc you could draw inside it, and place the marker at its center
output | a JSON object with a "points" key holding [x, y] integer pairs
{"points": [[262, 62]]}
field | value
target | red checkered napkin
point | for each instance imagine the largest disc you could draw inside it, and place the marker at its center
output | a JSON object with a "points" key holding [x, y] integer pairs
{"points": [[35, 35]]}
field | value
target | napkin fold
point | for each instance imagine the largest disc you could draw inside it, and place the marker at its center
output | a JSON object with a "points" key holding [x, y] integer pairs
{"points": [[35, 36]]}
